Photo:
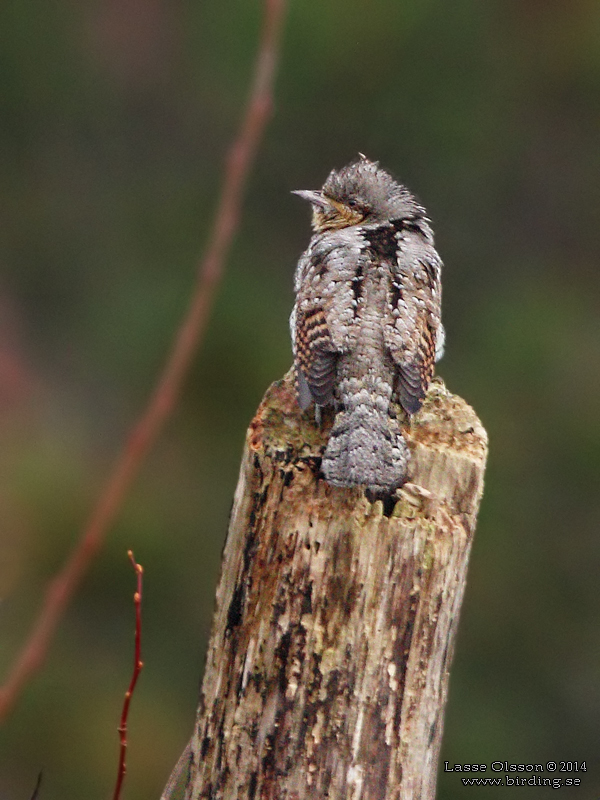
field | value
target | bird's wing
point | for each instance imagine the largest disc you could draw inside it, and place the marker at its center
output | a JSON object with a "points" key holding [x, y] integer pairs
{"points": [[413, 318], [415, 373], [323, 319], [316, 358]]}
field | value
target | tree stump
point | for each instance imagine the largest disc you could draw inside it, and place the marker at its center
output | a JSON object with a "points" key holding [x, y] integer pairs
{"points": [[328, 663]]}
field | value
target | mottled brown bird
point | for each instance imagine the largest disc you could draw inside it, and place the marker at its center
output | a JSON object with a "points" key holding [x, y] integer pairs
{"points": [[366, 325]]}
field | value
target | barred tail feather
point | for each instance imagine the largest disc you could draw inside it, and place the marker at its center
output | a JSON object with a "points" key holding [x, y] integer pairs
{"points": [[366, 449]]}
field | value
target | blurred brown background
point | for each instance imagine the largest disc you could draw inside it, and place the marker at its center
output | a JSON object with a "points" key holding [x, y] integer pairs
{"points": [[115, 116]]}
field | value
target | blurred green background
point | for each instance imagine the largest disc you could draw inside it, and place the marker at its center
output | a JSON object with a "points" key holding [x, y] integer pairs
{"points": [[115, 116]]}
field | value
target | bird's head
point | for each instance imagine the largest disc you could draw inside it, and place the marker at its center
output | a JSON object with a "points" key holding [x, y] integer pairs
{"points": [[360, 193]]}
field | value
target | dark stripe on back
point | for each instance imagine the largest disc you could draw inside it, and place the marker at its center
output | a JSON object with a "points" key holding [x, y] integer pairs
{"points": [[400, 224], [320, 264], [383, 242], [395, 291], [357, 285], [430, 270], [408, 224]]}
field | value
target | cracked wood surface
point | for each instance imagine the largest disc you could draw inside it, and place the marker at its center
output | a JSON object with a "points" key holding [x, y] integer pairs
{"points": [[328, 663]]}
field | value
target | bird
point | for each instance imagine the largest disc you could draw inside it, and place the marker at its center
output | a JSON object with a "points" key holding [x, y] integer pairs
{"points": [[366, 323]]}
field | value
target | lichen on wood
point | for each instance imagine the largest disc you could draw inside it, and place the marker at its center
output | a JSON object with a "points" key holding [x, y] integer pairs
{"points": [[327, 667]]}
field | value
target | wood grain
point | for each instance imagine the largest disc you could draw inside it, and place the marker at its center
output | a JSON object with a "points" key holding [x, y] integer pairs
{"points": [[328, 663]]}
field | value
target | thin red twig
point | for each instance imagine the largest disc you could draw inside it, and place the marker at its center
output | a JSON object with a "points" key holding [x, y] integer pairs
{"points": [[137, 668], [161, 403], [36, 791]]}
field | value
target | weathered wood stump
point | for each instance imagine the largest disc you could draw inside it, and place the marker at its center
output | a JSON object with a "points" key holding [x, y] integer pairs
{"points": [[327, 668]]}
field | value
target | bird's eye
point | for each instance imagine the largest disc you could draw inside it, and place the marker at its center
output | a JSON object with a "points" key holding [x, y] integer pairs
{"points": [[352, 203]]}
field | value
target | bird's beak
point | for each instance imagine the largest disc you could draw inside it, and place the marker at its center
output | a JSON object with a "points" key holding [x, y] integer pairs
{"points": [[316, 198]]}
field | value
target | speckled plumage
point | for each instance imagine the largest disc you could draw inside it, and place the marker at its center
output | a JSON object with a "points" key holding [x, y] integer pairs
{"points": [[366, 325]]}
